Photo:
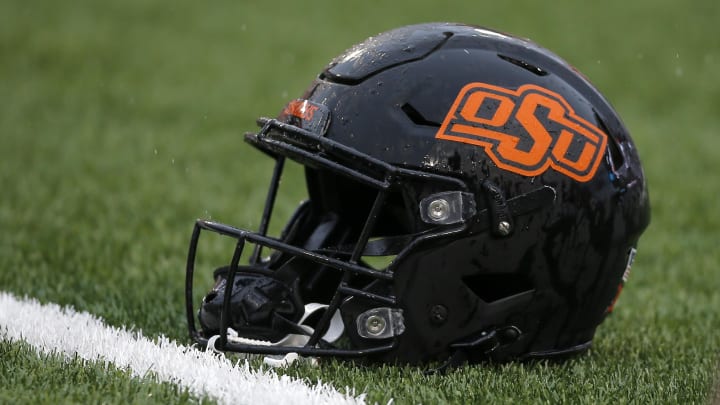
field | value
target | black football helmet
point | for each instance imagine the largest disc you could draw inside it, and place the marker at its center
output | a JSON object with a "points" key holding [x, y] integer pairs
{"points": [[502, 190]]}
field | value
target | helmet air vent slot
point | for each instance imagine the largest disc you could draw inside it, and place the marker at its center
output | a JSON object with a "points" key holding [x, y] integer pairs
{"points": [[615, 150], [496, 286], [525, 65], [416, 117]]}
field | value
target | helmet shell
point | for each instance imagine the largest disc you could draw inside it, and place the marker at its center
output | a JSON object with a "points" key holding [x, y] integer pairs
{"points": [[555, 276]]}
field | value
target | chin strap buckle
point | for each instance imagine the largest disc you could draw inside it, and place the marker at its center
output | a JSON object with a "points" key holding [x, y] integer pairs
{"points": [[333, 333], [479, 347]]}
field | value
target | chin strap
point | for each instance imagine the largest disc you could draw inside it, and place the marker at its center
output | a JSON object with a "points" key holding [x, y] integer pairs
{"points": [[480, 347], [333, 333]]}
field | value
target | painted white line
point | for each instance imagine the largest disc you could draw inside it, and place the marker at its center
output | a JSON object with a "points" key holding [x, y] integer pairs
{"points": [[52, 329]]}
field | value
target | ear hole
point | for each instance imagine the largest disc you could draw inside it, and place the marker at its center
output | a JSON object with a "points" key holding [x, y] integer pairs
{"points": [[493, 287]]}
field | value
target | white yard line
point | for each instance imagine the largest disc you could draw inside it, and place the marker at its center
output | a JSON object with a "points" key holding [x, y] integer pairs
{"points": [[52, 329]]}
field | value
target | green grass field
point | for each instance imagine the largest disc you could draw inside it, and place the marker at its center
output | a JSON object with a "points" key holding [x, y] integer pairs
{"points": [[121, 123]]}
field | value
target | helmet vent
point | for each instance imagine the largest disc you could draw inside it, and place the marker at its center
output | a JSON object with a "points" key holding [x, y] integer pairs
{"points": [[416, 117], [494, 287], [524, 65], [617, 159]]}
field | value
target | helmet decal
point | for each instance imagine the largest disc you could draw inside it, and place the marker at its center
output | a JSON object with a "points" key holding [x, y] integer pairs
{"points": [[307, 115], [525, 131]]}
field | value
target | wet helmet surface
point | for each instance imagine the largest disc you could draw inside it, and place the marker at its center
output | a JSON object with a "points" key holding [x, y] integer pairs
{"points": [[471, 197]]}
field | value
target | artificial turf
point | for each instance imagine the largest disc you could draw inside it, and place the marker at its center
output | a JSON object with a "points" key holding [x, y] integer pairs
{"points": [[122, 122]]}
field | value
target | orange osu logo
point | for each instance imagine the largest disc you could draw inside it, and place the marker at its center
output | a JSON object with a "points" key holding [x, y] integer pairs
{"points": [[525, 131], [302, 109]]}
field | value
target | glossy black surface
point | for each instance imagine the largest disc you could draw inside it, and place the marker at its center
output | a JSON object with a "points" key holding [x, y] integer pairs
{"points": [[541, 290]]}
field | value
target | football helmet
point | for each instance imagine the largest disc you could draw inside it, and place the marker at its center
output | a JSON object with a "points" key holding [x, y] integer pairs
{"points": [[500, 188]]}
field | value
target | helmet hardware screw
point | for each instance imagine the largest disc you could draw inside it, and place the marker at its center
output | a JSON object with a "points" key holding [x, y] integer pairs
{"points": [[439, 209], [438, 314], [503, 228], [375, 324]]}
